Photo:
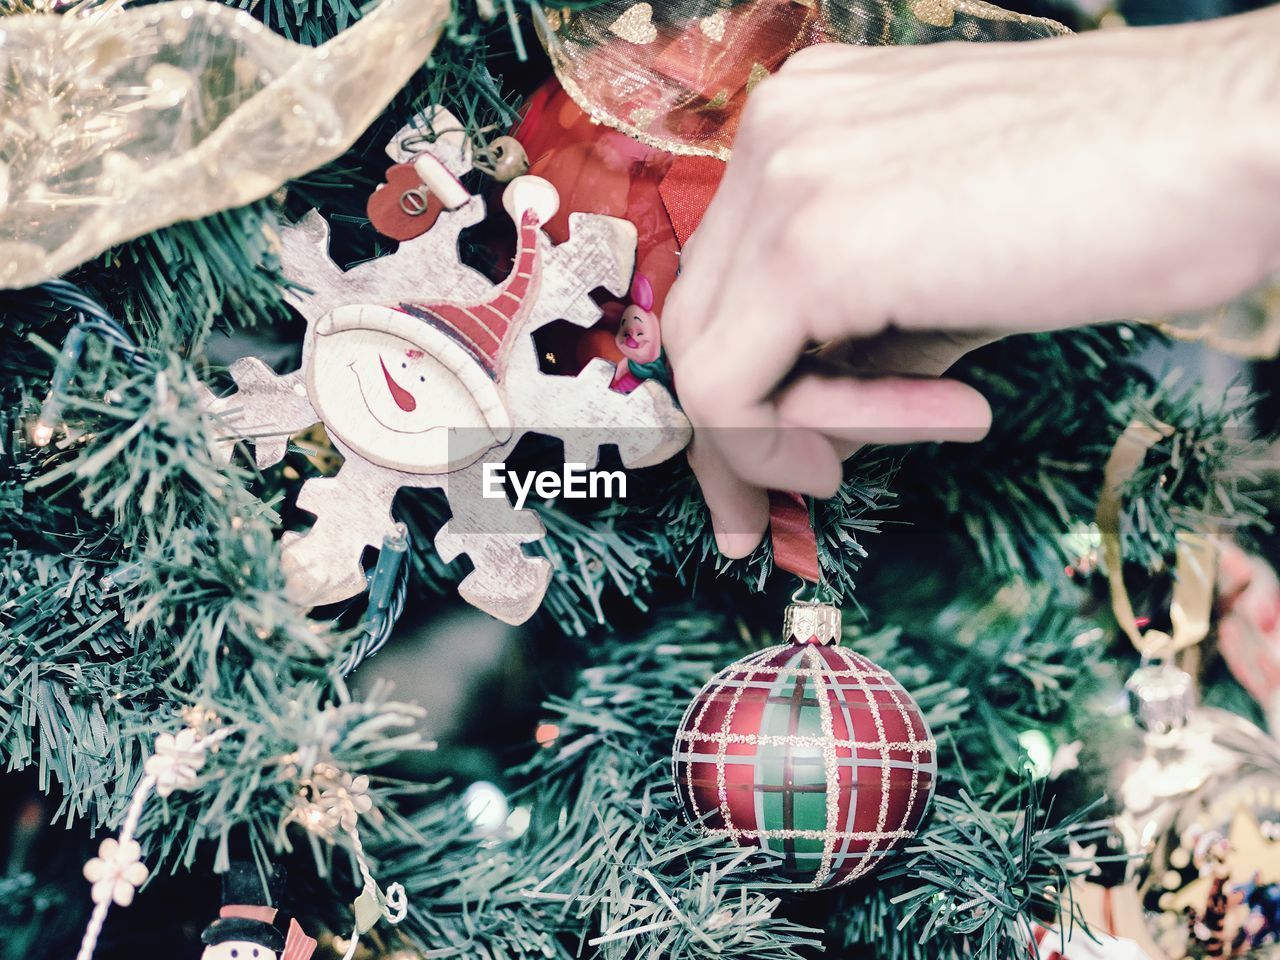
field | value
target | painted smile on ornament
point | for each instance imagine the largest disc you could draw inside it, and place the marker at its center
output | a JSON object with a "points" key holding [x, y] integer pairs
{"points": [[632, 342], [364, 395]]}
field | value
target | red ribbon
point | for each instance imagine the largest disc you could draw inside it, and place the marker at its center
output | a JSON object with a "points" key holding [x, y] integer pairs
{"points": [[686, 193], [795, 546]]}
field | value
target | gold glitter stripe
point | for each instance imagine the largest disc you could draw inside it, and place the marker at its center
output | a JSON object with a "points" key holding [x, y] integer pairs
{"points": [[782, 740], [780, 834]]}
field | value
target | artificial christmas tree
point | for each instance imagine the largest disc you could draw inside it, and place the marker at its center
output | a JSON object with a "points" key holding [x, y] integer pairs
{"points": [[178, 699]]}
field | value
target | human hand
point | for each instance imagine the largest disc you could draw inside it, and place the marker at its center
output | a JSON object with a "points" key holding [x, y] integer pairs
{"points": [[1249, 625], [899, 206]]}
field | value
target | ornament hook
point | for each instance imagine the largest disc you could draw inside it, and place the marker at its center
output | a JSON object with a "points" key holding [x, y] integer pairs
{"points": [[817, 590]]}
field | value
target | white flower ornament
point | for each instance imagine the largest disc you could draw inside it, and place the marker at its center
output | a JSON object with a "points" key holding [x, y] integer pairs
{"points": [[116, 872], [331, 798], [347, 799], [176, 762]]}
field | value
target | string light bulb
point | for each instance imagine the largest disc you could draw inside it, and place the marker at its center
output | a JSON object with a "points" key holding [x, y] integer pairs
{"points": [[486, 807], [41, 432]]}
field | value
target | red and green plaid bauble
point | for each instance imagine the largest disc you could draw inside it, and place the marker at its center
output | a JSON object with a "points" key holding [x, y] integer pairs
{"points": [[810, 751]]}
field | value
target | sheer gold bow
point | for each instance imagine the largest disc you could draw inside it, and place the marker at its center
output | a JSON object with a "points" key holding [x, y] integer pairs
{"points": [[676, 74]]}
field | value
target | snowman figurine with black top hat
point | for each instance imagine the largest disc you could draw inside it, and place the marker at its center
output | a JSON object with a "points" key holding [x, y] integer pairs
{"points": [[245, 928]]}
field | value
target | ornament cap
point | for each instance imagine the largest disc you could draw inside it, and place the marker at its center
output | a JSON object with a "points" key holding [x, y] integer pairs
{"points": [[1161, 697], [811, 622]]}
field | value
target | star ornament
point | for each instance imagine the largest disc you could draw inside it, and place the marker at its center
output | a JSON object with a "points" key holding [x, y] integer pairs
{"points": [[1249, 855], [1082, 860], [1065, 759]]}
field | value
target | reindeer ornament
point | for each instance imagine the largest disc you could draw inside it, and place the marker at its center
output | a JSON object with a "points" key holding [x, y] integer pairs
{"points": [[422, 371]]}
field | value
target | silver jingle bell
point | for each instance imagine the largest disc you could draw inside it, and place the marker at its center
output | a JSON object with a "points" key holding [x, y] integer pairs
{"points": [[507, 159]]}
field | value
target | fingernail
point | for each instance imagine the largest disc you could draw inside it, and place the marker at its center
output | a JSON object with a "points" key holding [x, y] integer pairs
{"points": [[723, 541], [736, 545]]}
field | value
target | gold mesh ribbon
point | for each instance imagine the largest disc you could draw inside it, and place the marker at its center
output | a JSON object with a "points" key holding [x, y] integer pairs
{"points": [[675, 74], [115, 122], [1196, 556]]}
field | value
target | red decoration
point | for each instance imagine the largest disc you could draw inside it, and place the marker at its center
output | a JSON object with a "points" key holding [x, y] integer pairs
{"points": [[1249, 623], [720, 69], [687, 190], [686, 85], [809, 751], [795, 548], [1076, 944], [597, 169], [597, 342], [388, 207]]}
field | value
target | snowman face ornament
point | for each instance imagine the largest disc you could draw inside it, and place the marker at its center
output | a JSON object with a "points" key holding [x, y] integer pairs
{"points": [[400, 393], [237, 950]]}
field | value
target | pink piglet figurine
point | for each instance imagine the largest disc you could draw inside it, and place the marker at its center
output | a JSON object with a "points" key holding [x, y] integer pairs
{"points": [[639, 338]]}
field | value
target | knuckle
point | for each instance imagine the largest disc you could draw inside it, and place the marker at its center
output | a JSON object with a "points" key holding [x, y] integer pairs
{"points": [[802, 233], [789, 172], [827, 484], [779, 165], [717, 398]]}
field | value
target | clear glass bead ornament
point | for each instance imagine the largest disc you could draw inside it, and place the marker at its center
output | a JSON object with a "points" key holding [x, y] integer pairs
{"points": [[1199, 802]]}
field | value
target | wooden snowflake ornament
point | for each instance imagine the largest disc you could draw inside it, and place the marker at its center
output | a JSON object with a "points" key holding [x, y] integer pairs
{"points": [[422, 371]]}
